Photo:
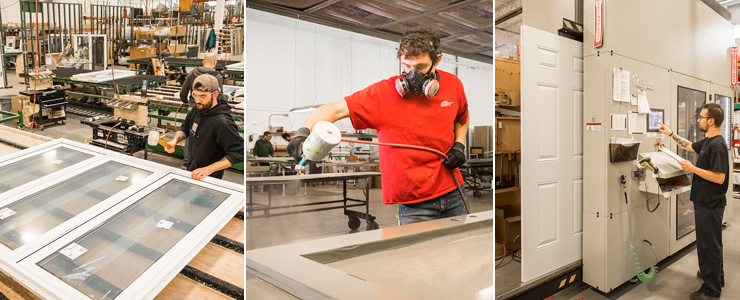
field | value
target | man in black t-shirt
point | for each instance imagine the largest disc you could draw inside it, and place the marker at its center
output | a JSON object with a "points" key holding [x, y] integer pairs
{"points": [[708, 189]]}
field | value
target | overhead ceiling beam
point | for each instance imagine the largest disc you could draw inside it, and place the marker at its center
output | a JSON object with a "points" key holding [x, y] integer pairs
{"points": [[316, 7], [431, 12], [454, 36], [297, 14], [508, 16], [729, 3]]}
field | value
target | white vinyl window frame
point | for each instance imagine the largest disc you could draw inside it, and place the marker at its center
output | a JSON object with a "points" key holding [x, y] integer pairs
{"points": [[9, 257], [38, 150], [161, 272]]}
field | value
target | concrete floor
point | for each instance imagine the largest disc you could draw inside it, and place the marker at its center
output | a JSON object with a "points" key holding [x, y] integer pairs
{"points": [[264, 232], [676, 277], [75, 131]]}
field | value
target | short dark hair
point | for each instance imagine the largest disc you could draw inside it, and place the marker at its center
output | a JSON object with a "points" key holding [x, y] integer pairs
{"points": [[715, 111], [266, 133], [286, 135], [419, 41]]}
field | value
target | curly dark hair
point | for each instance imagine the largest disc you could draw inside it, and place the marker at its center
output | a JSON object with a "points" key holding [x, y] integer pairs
{"points": [[418, 41]]}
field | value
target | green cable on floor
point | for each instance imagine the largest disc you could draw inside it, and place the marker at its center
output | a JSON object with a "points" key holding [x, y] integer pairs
{"points": [[641, 275]]}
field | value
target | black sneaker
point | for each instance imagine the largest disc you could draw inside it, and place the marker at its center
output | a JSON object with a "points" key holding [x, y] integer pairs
{"points": [[698, 275], [701, 296]]}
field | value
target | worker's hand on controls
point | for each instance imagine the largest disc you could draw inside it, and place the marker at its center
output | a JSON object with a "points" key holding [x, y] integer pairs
{"points": [[295, 147], [456, 156], [171, 148], [686, 165], [200, 173], [664, 129]]}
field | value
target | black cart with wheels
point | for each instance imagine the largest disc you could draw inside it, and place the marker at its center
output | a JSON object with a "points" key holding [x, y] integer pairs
{"points": [[355, 217], [52, 106]]}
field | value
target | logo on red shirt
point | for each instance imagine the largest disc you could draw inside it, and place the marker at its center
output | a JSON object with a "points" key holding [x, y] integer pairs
{"points": [[445, 104]]}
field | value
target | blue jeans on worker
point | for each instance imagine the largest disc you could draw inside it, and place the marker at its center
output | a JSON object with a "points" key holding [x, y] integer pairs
{"points": [[445, 206], [709, 248], [185, 151]]}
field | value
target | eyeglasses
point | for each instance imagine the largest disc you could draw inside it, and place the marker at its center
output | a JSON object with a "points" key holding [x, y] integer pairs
{"points": [[203, 97], [703, 117]]}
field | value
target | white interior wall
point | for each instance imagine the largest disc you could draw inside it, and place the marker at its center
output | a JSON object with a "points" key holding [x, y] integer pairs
{"points": [[293, 63], [548, 15]]}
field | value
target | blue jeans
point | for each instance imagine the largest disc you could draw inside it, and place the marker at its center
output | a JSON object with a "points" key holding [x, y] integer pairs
{"points": [[185, 150], [445, 206]]}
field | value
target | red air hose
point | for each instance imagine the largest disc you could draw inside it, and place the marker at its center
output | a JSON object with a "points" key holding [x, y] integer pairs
{"points": [[457, 183]]}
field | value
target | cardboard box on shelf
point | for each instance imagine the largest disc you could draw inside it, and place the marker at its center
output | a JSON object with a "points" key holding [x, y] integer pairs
{"points": [[137, 53], [508, 224]]}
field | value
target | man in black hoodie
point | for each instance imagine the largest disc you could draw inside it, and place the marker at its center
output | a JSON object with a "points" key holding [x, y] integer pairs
{"points": [[209, 67], [213, 138]]}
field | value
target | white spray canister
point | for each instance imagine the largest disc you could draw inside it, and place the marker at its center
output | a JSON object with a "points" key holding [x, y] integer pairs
{"points": [[319, 143]]}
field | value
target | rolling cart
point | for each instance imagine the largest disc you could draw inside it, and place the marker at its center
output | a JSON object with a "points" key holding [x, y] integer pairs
{"points": [[52, 104]]}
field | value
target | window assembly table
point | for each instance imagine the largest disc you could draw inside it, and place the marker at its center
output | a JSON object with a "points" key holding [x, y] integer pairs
{"points": [[79, 222], [354, 216]]}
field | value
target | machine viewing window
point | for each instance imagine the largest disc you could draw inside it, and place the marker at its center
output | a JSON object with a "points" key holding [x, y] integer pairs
{"points": [[655, 117], [726, 103], [690, 102]]}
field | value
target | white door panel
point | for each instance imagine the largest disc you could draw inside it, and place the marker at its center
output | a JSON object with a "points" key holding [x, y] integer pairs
{"points": [[552, 152]]}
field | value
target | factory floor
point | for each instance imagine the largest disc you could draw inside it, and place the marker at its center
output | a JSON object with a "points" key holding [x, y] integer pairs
{"points": [[75, 131], [279, 230], [676, 277]]}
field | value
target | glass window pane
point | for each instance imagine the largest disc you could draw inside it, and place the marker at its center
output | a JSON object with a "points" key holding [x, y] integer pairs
{"points": [[690, 102], [37, 166], [32, 216], [124, 247]]}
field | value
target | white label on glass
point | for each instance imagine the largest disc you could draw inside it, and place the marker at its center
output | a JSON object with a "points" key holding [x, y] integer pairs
{"points": [[6, 212], [73, 251], [164, 224], [57, 162], [121, 178]]}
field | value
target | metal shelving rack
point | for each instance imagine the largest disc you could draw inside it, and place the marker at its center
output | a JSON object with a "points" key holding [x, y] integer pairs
{"points": [[47, 26], [115, 22]]}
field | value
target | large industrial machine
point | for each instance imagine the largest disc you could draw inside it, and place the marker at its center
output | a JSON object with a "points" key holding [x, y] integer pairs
{"points": [[636, 209]]}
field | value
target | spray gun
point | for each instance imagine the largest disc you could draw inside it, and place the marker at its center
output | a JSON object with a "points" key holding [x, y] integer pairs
{"points": [[319, 143]]}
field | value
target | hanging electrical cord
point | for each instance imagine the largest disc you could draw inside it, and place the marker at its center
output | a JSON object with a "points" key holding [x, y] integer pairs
{"points": [[641, 275], [37, 57], [647, 200], [457, 182]]}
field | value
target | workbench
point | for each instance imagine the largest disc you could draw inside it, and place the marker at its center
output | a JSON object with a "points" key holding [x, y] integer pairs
{"points": [[64, 75], [354, 216], [448, 258], [477, 174], [183, 62]]}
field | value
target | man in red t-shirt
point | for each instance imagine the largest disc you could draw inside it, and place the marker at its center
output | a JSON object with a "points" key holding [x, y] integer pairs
{"points": [[423, 107]]}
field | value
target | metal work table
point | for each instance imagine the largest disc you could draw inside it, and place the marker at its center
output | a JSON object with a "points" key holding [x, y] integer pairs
{"points": [[125, 84], [354, 216], [391, 263], [478, 174], [353, 165], [184, 62]]}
